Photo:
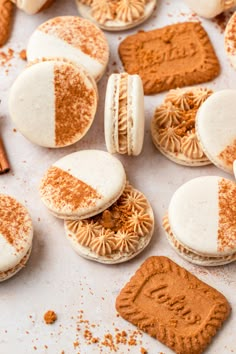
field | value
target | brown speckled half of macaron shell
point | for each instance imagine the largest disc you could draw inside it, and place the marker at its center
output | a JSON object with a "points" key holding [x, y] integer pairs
{"points": [[91, 39], [118, 234], [75, 103], [12, 271], [64, 194]]}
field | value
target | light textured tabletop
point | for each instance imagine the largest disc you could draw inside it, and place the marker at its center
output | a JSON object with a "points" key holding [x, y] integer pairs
{"points": [[81, 292]]}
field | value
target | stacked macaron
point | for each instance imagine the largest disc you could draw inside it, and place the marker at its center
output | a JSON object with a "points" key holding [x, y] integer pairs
{"points": [[60, 109], [106, 219], [16, 234], [200, 223], [32, 7], [124, 114]]}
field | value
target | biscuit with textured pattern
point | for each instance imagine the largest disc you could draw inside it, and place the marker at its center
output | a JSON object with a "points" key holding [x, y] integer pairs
{"points": [[6, 15], [173, 306], [173, 56]]}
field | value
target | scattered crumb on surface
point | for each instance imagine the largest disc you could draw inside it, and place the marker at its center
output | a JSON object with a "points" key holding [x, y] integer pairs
{"points": [[50, 317]]}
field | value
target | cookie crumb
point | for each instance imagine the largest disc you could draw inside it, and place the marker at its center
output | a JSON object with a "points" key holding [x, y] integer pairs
{"points": [[23, 55], [50, 317], [143, 351]]}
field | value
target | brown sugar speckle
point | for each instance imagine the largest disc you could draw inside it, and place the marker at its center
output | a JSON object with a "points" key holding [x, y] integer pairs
{"points": [[228, 155], [50, 317]]}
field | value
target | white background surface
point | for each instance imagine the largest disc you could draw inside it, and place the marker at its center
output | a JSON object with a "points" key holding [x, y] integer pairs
{"points": [[55, 277]]}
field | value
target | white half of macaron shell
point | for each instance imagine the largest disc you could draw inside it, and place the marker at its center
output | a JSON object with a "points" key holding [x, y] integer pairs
{"points": [[205, 8], [30, 6], [216, 127], [99, 171], [38, 111], [197, 219], [16, 232]]}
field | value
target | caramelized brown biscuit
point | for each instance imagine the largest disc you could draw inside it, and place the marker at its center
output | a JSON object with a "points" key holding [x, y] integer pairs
{"points": [[173, 56], [6, 16], [172, 305]]}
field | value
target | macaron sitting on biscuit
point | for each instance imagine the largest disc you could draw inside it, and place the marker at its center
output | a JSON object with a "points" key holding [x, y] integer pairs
{"points": [[16, 234], [73, 38], [200, 223], [173, 126], [53, 103], [124, 114], [118, 234], [32, 7], [216, 129], [82, 184]]}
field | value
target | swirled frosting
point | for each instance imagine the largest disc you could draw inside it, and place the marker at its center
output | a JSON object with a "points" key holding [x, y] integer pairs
{"points": [[190, 147], [167, 115], [84, 230], [133, 200], [103, 10], [200, 96], [127, 241], [140, 223], [87, 2], [180, 98], [130, 10], [169, 140], [104, 244]]}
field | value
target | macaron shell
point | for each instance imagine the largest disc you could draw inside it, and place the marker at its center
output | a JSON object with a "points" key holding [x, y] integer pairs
{"points": [[16, 232], [135, 115], [230, 40], [215, 127], [207, 9], [82, 184], [12, 271], [234, 168], [32, 7], [54, 39], [38, 110], [201, 216]]}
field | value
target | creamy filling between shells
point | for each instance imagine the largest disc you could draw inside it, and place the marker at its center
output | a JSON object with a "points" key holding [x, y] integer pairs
{"points": [[122, 144], [119, 229], [173, 124]]}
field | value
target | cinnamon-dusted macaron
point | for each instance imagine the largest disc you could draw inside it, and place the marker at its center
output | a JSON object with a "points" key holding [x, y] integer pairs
{"points": [[16, 234], [124, 114], [32, 6], [230, 40], [200, 224], [73, 38], [234, 168], [173, 126], [116, 15], [216, 129], [53, 103], [82, 184], [209, 9], [116, 235]]}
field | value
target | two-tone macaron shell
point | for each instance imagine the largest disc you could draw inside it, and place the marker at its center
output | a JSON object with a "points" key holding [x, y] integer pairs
{"points": [[230, 40], [118, 234], [200, 224], [16, 234], [73, 38], [124, 114], [216, 128], [82, 184], [53, 102]]}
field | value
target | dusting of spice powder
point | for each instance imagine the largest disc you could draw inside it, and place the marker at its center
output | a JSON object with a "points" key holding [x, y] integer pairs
{"points": [[75, 104], [227, 215], [50, 317], [60, 189], [228, 155], [90, 39], [15, 223]]}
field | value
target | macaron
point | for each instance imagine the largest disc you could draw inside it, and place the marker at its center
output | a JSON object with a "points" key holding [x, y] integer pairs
{"points": [[216, 129], [200, 223], [16, 235], [209, 9], [32, 7], [116, 15], [73, 38], [173, 126], [82, 184], [53, 103], [117, 234], [230, 40], [234, 168], [124, 114]]}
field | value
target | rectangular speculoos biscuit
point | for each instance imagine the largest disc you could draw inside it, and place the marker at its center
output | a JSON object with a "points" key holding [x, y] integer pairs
{"points": [[173, 56], [172, 305]]}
